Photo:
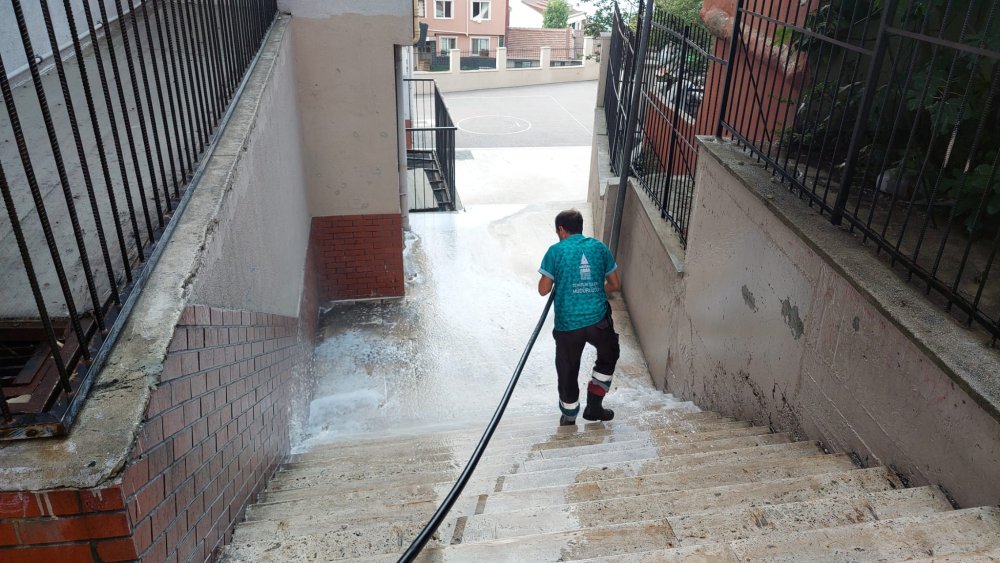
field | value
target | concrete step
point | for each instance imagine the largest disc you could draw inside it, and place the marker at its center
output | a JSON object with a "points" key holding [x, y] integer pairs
{"points": [[629, 442], [430, 449], [931, 537], [828, 512], [272, 541], [350, 473], [639, 536], [487, 527], [684, 479], [991, 555], [532, 431], [601, 459], [636, 468]]}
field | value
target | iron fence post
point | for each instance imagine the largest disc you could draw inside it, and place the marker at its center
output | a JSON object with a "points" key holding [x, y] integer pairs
{"points": [[881, 44], [633, 117], [730, 64], [678, 100]]}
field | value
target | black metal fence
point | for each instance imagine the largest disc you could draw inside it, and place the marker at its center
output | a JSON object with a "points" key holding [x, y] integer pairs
{"points": [[877, 113], [93, 169], [673, 109], [483, 59], [882, 115], [430, 148]]}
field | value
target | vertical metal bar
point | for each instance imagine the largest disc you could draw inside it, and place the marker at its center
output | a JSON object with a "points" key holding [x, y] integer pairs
{"points": [[160, 86], [183, 83], [82, 156], [730, 65], [222, 54], [678, 100], [36, 196], [123, 104], [116, 137], [172, 87], [29, 270], [99, 143], [149, 105], [50, 129], [210, 38], [140, 112], [193, 82], [633, 118], [881, 45]]}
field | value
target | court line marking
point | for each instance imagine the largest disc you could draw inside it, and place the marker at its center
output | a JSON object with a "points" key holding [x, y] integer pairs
{"points": [[459, 124], [558, 103]]}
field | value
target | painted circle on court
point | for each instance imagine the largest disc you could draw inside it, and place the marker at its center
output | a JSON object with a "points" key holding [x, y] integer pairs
{"points": [[494, 125]]}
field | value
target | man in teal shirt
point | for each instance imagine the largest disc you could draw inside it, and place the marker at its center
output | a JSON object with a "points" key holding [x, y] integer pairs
{"points": [[583, 273]]}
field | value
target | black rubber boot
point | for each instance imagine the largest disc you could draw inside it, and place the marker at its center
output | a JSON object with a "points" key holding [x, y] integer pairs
{"points": [[567, 420], [594, 411]]}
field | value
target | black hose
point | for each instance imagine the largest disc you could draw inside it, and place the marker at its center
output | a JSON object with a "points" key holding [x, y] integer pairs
{"points": [[463, 479]]}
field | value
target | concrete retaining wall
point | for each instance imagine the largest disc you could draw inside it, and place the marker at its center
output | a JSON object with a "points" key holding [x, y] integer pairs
{"points": [[774, 315]]}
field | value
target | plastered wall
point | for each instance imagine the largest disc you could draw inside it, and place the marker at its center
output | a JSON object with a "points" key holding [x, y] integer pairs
{"points": [[256, 253], [771, 314], [346, 92]]}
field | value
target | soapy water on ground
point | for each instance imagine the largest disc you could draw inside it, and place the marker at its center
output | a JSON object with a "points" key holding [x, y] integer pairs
{"points": [[442, 356]]}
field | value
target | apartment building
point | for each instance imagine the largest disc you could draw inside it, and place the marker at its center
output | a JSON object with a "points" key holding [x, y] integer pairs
{"points": [[468, 25]]}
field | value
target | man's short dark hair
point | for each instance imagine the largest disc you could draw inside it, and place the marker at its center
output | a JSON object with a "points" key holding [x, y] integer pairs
{"points": [[571, 220]]}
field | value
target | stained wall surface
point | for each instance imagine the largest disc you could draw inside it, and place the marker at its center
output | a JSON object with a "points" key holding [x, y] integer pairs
{"points": [[772, 314]]}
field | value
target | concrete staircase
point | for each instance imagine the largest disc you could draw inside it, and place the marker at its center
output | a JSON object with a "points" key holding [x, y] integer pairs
{"points": [[667, 485]]}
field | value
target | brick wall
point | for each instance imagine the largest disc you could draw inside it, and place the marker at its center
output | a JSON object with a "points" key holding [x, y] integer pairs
{"points": [[358, 256], [525, 41], [65, 525], [215, 429]]}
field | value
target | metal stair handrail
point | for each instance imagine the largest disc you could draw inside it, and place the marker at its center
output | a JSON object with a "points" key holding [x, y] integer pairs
{"points": [[425, 535]]}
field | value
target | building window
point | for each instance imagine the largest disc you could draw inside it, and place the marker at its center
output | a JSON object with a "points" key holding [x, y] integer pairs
{"points": [[447, 44], [481, 9], [443, 9], [481, 44]]}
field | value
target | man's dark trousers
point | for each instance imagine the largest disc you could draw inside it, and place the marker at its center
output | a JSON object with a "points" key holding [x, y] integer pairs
{"points": [[569, 349]]}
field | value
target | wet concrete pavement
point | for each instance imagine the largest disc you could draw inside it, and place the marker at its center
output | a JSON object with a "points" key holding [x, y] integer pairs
{"points": [[444, 354]]}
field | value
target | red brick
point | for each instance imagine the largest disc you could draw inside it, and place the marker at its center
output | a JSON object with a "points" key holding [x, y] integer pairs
{"points": [[47, 554], [8, 536], [102, 500], [19, 504], [116, 550], [61, 502], [173, 421], [75, 528]]}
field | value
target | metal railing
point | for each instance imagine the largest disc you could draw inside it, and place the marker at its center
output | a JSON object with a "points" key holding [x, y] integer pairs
{"points": [[430, 148], [96, 175], [428, 61], [483, 59], [523, 58], [880, 114], [876, 113], [565, 57], [441, 513]]}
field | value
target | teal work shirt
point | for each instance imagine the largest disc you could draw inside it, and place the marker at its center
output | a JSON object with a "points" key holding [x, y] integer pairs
{"points": [[578, 265]]}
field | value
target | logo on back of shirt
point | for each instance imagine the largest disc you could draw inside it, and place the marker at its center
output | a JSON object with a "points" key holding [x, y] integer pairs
{"points": [[584, 268]]}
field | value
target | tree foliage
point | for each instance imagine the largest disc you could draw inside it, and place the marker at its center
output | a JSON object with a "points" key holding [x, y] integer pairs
{"points": [[556, 14], [604, 14]]}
